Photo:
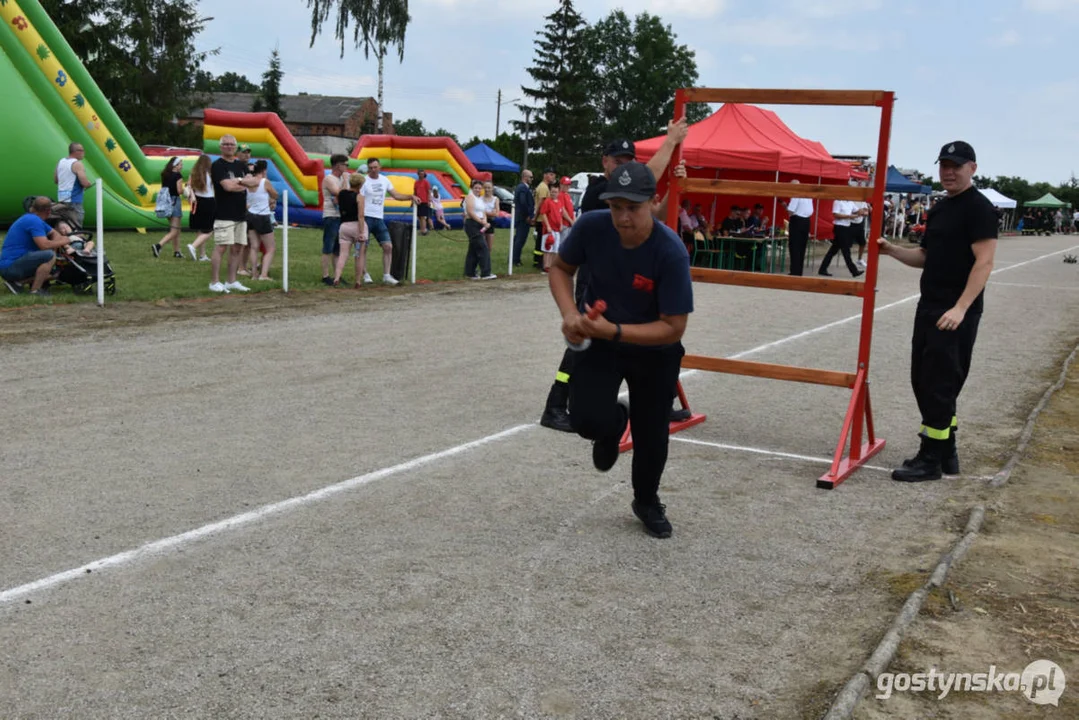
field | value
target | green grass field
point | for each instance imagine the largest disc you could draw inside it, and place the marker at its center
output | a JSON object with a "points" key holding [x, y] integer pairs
{"points": [[140, 276]]}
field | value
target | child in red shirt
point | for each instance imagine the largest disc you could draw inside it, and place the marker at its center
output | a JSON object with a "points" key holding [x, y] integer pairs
{"points": [[552, 213]]}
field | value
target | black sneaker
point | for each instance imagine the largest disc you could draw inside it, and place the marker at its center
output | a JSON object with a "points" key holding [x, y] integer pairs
{"points": [[327, 280], [178, 255], [556, 419], [857, 273], [13, 286], [824, 272], [922, 469], [605, 451], [654, 518], [680, 414], [157, 249]]}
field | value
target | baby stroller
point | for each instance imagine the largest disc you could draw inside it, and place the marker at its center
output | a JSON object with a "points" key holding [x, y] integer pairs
{"points": [[76, 265]]}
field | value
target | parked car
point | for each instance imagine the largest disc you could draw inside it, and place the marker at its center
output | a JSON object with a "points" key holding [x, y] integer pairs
{"points": [[578, 184], [505, 198]]}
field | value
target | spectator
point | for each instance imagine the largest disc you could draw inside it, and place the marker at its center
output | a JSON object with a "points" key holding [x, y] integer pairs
{"points": [[687, 224], [331, 215], [375, 190], [732, 224], [173, 181], [541, 193], [71, 181], [1058, 221], [524, 214], [200, 189], [476, 222], [230, 181], [243, 154], [567, 202], [701, 220], [438, 215], [353, 232], [28, 252], [1075, 220], [422, 191], [842, 214], [261, 201], [554, 218], [492, 207]]}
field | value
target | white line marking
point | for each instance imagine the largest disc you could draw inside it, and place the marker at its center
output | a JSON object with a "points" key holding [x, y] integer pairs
{"points": [[771, 453], [160, 547], [1034, 287]]}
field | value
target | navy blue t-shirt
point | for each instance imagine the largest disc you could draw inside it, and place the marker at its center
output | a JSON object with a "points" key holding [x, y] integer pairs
{"points": [[638, 284]]}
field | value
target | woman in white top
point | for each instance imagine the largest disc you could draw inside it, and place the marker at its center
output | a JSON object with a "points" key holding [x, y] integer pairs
{"points": [[478, 258], [200, 193], [436, 209], [261, 201], [492, 207]]}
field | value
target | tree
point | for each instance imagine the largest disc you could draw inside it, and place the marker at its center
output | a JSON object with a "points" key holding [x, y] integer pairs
{"points": [[562, 124], [378, 24], [142, 55], [269, 97], [636, 69], [233, 82], [443, 132], [410, 128]]}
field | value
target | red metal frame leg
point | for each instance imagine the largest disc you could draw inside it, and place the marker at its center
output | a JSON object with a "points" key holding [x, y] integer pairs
{"points": [[857, 412], [693, 419]]}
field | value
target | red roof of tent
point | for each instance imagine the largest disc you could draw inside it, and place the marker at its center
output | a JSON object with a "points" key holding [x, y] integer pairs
{"points": [[746, 137]]}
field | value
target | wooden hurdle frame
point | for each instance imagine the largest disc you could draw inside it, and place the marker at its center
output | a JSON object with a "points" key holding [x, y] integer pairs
{"points": [[859, 416]]}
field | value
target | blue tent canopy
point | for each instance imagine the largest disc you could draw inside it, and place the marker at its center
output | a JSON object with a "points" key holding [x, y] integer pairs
{"points": [[897, 183], [486, 159]]}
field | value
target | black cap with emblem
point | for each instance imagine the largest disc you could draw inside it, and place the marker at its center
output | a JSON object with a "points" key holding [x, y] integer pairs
{"points": [[632, 181], [620, 148], [958, 152]]}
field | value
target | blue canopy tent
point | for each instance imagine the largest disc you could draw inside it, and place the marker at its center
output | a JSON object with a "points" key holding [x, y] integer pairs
{"points": [[895, 182], [484, 157]]}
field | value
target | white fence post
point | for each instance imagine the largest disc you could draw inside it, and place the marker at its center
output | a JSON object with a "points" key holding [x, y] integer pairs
{"points": [[412, 254], [100, 244], [284, 241]]}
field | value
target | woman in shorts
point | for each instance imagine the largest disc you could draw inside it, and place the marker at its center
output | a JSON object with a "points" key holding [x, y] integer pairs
{"points": [[353, 232], [261, 201], [174, 182], [200, 193], [437, 213]]}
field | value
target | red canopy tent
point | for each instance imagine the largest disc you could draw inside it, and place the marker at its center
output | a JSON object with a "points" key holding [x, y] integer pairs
{"points": [[747, 142]]}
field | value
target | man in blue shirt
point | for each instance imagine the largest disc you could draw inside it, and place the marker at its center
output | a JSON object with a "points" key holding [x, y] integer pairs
{"points": [[27, 252], [524, 214], [640, 269]]}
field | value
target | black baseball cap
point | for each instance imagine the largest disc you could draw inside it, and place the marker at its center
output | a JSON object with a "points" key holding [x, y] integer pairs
{"points": [[958, 152], [550, 170], [620, 147], [632, 181]]}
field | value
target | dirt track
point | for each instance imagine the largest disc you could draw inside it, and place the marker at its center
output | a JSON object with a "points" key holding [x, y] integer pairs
{"points": [[508, 579]]}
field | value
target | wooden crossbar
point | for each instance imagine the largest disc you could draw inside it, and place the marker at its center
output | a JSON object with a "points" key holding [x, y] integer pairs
{"points": [[785, 97], [823, 285], [774, 189], [769, 370]]}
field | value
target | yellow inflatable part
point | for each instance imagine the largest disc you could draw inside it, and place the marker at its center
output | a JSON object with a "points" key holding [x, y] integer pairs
{"points": [[69, 92], [265, 136], [415, 154]]}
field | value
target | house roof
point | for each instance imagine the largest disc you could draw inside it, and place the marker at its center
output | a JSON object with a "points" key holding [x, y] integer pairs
{"points": [[313, 109]]}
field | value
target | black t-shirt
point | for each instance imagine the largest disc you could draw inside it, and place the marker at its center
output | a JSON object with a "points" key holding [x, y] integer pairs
{"points": [[591, 200], [171, 180], [731, 225], [954, 225], [346, 204], [230, 205]]}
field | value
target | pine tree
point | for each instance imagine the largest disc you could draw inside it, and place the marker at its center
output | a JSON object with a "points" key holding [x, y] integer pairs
{"points": [[562, 125], [269, 97]]}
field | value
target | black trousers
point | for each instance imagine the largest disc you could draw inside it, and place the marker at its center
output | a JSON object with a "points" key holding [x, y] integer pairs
{"points": [[939, 365], [651, 374], [841, 243], [537, 251], [558, 397], [799, 239], [478, 253]]}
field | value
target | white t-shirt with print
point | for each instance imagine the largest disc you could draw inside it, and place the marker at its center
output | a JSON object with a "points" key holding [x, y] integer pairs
{"points": [[374, 196]]}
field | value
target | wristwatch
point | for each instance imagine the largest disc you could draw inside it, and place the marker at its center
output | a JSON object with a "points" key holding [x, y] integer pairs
{"points": [[617, 333]]}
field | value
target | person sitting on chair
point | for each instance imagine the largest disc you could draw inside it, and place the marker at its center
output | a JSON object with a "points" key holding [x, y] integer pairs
{"points": [[28, 252]]}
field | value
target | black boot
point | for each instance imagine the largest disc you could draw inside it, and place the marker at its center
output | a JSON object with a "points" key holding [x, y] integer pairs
{"points": [[949, 463], [555, 414], [925, 465]]}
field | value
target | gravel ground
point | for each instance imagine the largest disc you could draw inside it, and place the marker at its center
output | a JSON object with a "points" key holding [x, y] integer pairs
{"points": [[508, 579]]}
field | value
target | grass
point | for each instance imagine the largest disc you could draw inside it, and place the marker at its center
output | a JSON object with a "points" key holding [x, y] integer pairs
{"points": [[142, 277]]}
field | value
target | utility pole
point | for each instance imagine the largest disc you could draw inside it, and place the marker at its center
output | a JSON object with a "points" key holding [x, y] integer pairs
{"points": [[498, 112]]}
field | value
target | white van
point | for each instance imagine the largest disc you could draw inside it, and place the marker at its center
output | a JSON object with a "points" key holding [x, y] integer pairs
{"points": [[578, 184]]}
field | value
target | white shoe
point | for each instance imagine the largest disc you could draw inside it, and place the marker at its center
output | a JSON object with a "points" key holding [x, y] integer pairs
{"points": [[389, 279], [236, 286], [204, 258], [367, 279], [861, 264], [218, 288], [489, 277], [194, 253]]}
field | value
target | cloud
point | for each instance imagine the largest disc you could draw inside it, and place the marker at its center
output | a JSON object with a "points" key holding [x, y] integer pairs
{"points": [[1051, 6], [835, 8], [1008, 38], [669, 8], [458, 95], [747, 59]]}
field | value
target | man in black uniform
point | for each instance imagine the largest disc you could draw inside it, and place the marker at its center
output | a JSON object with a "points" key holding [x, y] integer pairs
{"points": [[956, 255], [618, 152], [640, 268]]}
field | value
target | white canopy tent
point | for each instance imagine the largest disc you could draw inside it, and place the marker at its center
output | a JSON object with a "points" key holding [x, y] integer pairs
{"points": [[997, 199]]}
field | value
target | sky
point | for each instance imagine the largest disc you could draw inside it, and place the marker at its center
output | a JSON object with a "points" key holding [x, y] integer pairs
{"points": [[999, 74]]}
